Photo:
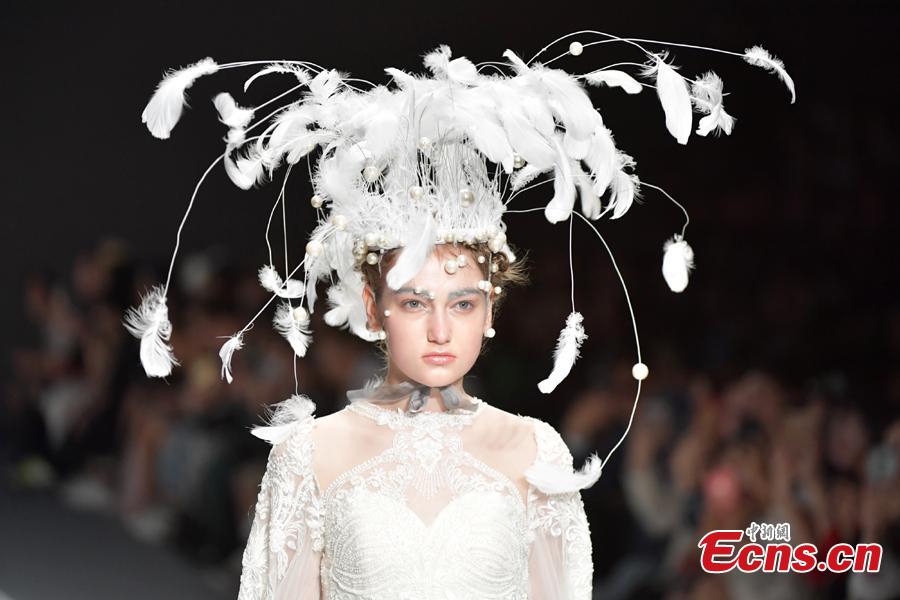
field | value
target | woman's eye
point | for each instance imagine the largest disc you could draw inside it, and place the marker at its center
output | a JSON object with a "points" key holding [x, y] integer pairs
{"points": [[465, 305], [411, 304]]}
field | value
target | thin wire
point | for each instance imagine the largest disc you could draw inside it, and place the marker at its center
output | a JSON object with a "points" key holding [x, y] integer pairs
{"points": [[687, 218], [571, 268]]}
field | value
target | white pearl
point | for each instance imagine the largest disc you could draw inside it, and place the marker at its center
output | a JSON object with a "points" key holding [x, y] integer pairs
{"points": [[371, 173], [640, 371], [382, 334], [497, 290], [314, 248], [490, 332], [481, 259], [424, 143], [494, 267], [300, 314], [371, 238], [431, 294], [316, 201], [496, 244], [387, 312], [417, 290], [450, 266], [575, 48], [484, 285], [461, 260], [371, 258], [382, 241], [416, 192], [466, 197], [518, 161], [450, 237], [339, 221]]}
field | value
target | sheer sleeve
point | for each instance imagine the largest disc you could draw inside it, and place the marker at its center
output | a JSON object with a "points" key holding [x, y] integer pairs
{"points": [[283, 553], [560, 563]]}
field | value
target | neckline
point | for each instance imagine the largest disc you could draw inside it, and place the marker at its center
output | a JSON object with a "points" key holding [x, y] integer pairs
{"points": [[399, 418]]}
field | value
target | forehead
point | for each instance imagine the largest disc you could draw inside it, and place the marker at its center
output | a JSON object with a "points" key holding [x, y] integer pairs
{"points": [[434, 276]]}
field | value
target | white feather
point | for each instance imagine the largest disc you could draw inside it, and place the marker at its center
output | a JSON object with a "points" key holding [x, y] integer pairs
{"points": [[622, 194], [706, 93], [293, 324], [614, 78], [675, 97], [285, 419], [164, 108], [272, 282], [553, 479], [560, 206], [413, 256], [300, 73], [226, 352], [150, 324], [567, 350], [678, 261], [230, 113], [347, 309], [760, 57]]}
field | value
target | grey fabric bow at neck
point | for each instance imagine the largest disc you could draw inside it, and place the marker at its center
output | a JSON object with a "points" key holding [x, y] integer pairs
{"points": [[418, 396]]}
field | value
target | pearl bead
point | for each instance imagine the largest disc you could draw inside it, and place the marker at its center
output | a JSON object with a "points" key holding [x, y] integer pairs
{"points": [[371, 258], [371, 173], [417, 290], [496, 244], [430, 295], [640, 371], [314, 248], [339, 221], [300, 314], [461, 260], [466, 197], [382, 334], [484, 285], [490, 332], [450, 237], [494, 267], [416, 192], [450, 266], [424, 143], [497, 290], [382, 241], [316, 201], [480, 259], [518, 161], [371, 239], [387, 312], [575, 48]]}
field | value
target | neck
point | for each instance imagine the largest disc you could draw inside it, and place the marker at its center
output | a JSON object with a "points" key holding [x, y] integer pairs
{"points": [[435, 402]]}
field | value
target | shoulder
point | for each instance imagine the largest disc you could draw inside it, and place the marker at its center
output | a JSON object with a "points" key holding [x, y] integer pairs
{"points": [[543, 439]]}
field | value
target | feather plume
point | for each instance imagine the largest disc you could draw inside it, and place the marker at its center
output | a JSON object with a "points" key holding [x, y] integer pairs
{"points": [[164, 108], [301, 74], [226, 352], [614, 78], [150, 324], [413, 256], [246, 171], [674, 96], [293, 324], [272, 282], [230, 113], [706, 94], [285, 418], [760, 57], [348, 310], [560, 206], [553, 479], [567, 350], [678, 261]]}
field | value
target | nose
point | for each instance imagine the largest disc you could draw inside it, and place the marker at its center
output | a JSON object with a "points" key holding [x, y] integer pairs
{"points": [[438, 327]]}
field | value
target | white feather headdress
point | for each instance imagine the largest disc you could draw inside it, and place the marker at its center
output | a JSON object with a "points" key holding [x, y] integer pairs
{"points": [[432, 159]]}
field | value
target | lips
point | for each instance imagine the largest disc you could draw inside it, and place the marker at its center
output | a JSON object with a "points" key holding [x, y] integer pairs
{"points": [[438, 358]]}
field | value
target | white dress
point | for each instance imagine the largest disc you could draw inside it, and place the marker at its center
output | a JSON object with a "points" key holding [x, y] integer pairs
{"points": [[421, 506]]}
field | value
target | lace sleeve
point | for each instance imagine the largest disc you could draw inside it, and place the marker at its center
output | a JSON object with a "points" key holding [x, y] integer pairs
{"points": [[283, 552], [560, 562]]}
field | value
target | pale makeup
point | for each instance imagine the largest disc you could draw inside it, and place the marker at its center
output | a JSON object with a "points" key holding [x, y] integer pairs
{"points": [[448, 314]]}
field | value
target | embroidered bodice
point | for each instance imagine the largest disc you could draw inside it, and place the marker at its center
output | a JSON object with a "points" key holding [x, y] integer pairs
{"points": [[381, 504]]}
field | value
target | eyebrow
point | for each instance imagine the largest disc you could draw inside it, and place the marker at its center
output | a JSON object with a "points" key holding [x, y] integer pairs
{"points": [[450, 296]]}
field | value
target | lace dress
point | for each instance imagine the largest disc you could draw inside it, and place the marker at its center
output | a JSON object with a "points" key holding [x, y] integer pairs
{"points": [[389, 505]]}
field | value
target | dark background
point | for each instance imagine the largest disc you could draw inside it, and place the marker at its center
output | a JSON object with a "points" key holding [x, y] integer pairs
{"points": [[792, 217]]}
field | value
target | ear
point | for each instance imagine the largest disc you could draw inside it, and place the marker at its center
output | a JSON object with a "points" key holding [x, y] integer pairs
{"points": [[372, 320]]}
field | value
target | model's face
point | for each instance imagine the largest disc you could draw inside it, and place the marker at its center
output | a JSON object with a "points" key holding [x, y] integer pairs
{"points": [[448, 315]]}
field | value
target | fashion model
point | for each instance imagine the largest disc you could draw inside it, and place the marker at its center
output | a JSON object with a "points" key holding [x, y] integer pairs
{"points": [[416, 489]]}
